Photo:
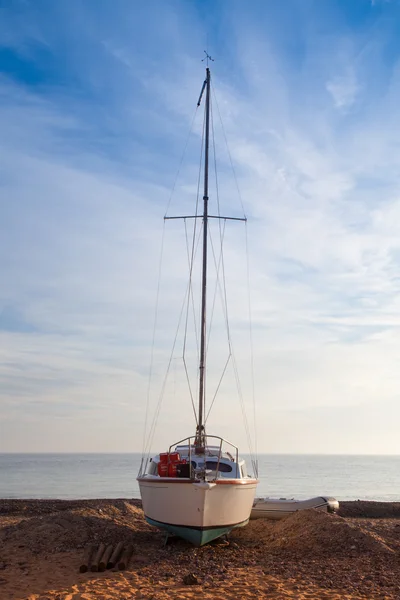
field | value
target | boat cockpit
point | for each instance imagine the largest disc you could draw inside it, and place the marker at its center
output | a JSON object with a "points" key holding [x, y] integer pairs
{"points": [[187, 461]]}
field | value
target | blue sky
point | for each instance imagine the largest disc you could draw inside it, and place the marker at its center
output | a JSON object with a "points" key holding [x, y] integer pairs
{"points": [[96, 101]]}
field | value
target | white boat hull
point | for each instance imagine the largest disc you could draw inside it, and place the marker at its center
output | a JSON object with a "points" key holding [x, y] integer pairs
{"points": [[277, 508], [197, 511]]}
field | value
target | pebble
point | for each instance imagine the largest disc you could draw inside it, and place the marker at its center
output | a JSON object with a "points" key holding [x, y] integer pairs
{"points": [[190, 579]]}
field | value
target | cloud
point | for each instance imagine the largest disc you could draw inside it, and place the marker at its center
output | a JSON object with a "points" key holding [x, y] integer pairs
{"points": [[88, 160], [343, 90], [378, 2]]}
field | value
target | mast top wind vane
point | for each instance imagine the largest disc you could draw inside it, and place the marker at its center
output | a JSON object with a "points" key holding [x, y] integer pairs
{"points": [[207, 57]]}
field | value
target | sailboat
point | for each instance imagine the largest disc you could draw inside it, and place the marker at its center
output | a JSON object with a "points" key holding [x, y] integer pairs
{"points": [[199, 489]]}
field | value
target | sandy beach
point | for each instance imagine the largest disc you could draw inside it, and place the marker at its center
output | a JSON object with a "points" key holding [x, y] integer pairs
{"points": [[309, 555]]}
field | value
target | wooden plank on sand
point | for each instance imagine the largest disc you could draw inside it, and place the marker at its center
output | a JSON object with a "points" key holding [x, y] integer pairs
{"points": [[95, 564], [104, 559], [125, 558], [87, 555], [115, 555]]}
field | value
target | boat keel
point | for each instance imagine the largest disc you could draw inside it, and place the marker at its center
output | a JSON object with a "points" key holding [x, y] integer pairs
{"points": [[198, 536]]}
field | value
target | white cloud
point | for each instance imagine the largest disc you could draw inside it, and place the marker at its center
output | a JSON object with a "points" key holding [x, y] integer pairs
{"points": [[81, 238], [343, 89]]}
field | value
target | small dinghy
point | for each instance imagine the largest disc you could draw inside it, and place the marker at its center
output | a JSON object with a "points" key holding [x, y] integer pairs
{"points": [[277, 508]]}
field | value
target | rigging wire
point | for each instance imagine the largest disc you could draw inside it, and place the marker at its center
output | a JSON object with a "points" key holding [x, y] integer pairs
{"points": [[254, 459], [220, 288], [187, 295], [161, 396], [191, 257], [158, 290], [182, 159], [218, 386], [202, 385], [190, 295], [219, 224], [152, 349], [251, 353], [217, 287], [193, 252], [215, 159], [217, 265], [232, 356], [217, 270], [229, 152], [244, 414]]}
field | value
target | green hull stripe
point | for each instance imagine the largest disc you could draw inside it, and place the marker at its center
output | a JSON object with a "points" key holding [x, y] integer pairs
{"points": [[196, 535]]}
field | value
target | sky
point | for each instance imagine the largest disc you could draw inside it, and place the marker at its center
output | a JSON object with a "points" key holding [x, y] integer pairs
{"points": [[97, 99]]}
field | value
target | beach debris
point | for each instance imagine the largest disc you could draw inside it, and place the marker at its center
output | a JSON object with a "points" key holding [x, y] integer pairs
{"points": [[125, 558], [87, 555], [190, 579], [115, 555], [95, 564], [104, 559]]}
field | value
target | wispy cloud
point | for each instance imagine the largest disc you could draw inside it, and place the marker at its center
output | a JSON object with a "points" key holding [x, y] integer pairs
{"points": [[93, 122], [343, 90]]}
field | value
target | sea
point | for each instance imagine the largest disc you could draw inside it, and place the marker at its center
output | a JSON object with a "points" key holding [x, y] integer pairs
{"points": [[76, 476]]}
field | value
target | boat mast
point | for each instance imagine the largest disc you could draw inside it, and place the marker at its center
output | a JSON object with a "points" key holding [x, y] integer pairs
{"points": [[200, 433], [200, 438], [200, 430]]}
